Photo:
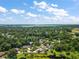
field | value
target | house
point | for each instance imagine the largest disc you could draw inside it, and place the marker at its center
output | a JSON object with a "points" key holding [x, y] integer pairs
{"points": [[2, 58], [2, 54], [76, 30], [17, 50], [39, 50]]}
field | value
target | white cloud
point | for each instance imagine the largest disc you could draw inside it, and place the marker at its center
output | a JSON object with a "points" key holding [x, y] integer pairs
{"points": [[42, 4], [31, 14], [56, 11], [59, 15], [75, 20], [60, 12], [7, 20], [17, 11], [54, 15], [54, 5], [3, 10]]}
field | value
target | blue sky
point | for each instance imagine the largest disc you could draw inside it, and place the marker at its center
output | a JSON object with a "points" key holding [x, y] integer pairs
{"points": [[39, 11]]}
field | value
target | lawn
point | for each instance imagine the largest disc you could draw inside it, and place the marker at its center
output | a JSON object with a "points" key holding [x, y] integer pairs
{"points": [[69, 55]]}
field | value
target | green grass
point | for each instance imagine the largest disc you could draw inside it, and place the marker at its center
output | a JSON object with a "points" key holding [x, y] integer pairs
{"points": [[33, 56], [20, 55], [72, 55]]}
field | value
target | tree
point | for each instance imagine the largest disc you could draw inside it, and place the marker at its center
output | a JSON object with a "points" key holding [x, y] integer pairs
{"points": [[12, 53]]}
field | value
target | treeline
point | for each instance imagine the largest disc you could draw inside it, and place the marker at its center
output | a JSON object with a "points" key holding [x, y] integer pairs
{"points": [[62, 37]]}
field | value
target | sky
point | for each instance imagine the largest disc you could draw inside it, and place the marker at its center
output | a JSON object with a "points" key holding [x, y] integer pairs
{"points": [[39, 11]]}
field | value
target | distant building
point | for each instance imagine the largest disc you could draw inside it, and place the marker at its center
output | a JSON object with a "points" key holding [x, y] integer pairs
{"points": [[76, 30], [17, 50], [2, 58], [2, 54]]}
